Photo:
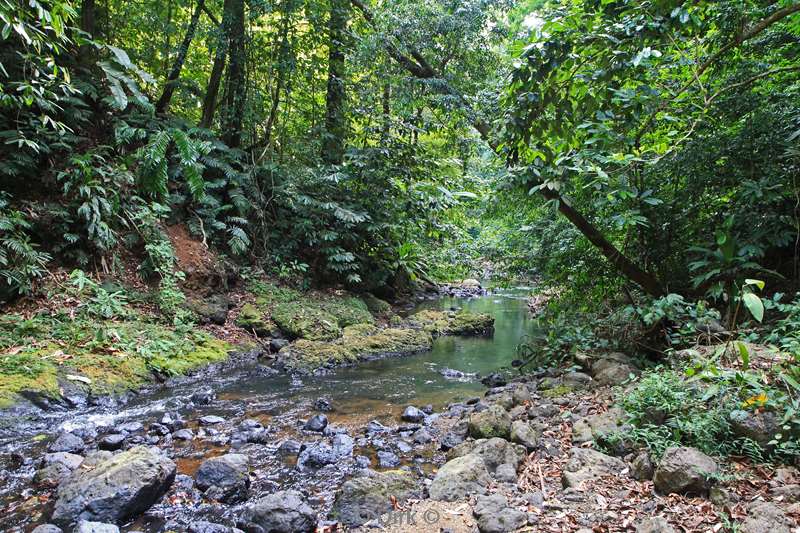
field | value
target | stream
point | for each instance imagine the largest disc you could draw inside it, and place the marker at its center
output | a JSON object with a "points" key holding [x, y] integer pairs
{"points": [[372, 391]]}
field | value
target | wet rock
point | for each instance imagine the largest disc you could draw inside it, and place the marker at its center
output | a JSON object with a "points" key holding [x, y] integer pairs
{"points": [[316, 423], [289, 447], [684, 471], [492, 422], [460, 478], [642, 467], [412, 414], [159, 429], [203, 397], [367, 497], [765, 516], [495, 516], [111, 442], [277, 344], [130, 428], [585, 464], [316, 455], [183, 482], [225, 478], [324, 405], [342, 445], [655, 524], [251, 431], [376, 427], [211, 420], [95, 527], [522, 433], [183, 434], [760, 427], [422, 436], [454, 437], [388, 459], [174, 421], [282, 512], [494, 380], [47, 528], [67, 442], [117, 488]]}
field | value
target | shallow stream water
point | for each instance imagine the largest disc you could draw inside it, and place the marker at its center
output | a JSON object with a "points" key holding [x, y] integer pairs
{"points": [[374, 390]]}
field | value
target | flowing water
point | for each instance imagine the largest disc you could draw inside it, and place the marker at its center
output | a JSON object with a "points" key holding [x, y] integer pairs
{"points": [[372, 390]]}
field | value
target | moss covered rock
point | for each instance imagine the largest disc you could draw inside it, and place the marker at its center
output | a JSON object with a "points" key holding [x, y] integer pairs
{"points": [[491, 422], [453, 323], [301, 321], [375, 305], [253, 319], [358, 343], [368, 497]]}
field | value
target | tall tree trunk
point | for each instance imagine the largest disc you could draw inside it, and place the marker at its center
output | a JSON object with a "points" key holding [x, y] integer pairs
{"points": [[174, 74], [235, 81], [280, 77], [418, 67], [217, 70], [88, 24], [335, 125], [386, 103]]}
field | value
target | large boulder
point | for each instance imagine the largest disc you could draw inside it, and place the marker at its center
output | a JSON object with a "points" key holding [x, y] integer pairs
{"points": [[225, 478], [612, 369], [491, 422], [758, 426], [282, 512], [684, 471], [459, 478], [495, 515], [599, 426], [367, 497], [585, 464], [117, 488], [494, 452], [766, 517], [67, 442]]}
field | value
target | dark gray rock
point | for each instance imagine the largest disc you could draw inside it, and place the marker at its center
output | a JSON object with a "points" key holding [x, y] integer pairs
{"points": [[211, 420], [642, 467], [324, 405], [506, 473], [174, 421], [422, 436], [203, 397], [67, 442], [388, 459], [289, 447], [277, 344], [111, 442], [130, 428], [684, 471], [758, 426], [495, 516], [117, 488], [494, 380], [342, 445], [213, 309], [225, 478], [316, 423], [183, 434], [51, 475], [585, 464], [316, 455], [376, 427], [522, 433], [282, 512]]}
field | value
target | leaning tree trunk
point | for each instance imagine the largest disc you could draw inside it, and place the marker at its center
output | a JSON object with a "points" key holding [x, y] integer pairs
{"points": [[335, 126], [174, 74], [218, 69], [418, 67], [235, 82]]}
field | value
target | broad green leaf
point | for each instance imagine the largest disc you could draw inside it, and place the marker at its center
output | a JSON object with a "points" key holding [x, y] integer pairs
{"points": [[754, 305]]}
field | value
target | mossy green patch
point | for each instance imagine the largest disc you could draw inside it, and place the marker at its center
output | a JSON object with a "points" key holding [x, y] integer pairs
{"points": [[102, 356], [358, 343], [452, 323], [253, 319], [299, 320], [375, 305]]}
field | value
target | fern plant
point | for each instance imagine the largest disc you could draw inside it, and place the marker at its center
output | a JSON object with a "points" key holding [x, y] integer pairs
{"points": [[21, 262]]}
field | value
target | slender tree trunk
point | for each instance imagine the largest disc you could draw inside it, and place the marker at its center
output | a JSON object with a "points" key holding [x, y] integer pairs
{"points": [[386, 102], [280, 77], [88, 24], [335, 125], [235, 82], [417, 66], [174, 74], [217, 70]]}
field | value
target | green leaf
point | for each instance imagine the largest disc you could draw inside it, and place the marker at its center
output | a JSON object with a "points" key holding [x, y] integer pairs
{"points": [[757, 282], [754, 305], [744, 354]]}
